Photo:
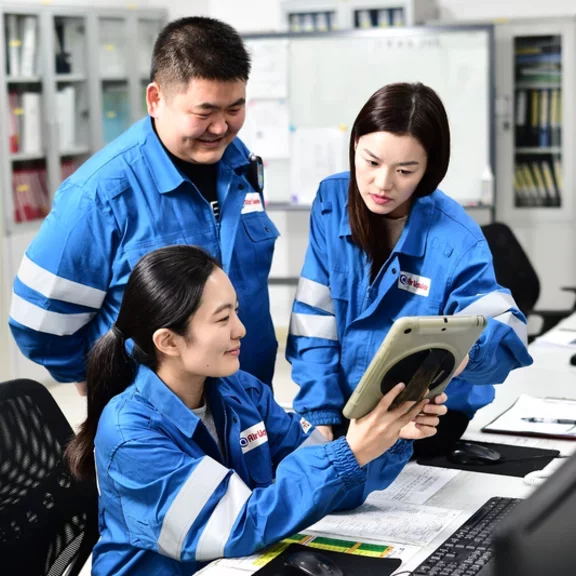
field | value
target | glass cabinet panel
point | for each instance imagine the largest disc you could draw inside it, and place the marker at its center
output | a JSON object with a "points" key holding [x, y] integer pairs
{"points": [[538, 121]]}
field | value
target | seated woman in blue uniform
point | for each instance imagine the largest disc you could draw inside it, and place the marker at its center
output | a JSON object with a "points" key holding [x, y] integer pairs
{"points": [[194, 458], [386, 243]]}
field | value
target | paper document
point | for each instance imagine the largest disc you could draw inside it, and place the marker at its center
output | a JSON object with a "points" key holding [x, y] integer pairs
{"points": [[266, 131], [269, 76], [415, 484], [538, 417], [559, 337], [316, 154], [388, 521]]}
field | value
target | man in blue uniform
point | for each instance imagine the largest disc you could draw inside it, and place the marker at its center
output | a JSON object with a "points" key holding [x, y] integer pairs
{"points": [[180, 176]]}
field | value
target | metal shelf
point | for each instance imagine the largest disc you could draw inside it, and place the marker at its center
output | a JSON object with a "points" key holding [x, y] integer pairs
{"points": [[71, 78], [23, 80], [27, 156], [288, 207], [539, 150], [538, 85], [77, 151]]}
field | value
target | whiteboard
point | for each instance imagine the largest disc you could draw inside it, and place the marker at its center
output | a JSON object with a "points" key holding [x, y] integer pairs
{"points": [[325, 79]]}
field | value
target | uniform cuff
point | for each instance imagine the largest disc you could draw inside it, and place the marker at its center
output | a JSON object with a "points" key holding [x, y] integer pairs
{"points": [[322, 417], [345, 463], [402, 448]]}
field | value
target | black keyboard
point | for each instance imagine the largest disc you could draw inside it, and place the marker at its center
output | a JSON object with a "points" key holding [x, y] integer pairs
{"points": [[467, 552]]}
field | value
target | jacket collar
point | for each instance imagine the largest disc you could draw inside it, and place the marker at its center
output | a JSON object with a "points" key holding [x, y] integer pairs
{"points": [[413, 239], [166, 402], [165, 174]]}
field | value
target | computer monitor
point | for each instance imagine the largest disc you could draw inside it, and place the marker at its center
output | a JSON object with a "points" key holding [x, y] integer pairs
{"points": [[538, 537]]}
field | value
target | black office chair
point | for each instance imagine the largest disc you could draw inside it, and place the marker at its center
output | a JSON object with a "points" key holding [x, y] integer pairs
{"points": [[48, 520], [515, 271]]}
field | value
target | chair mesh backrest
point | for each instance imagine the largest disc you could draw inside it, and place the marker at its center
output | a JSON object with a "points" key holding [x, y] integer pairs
{"points": [[512, 267], [47, 519]]}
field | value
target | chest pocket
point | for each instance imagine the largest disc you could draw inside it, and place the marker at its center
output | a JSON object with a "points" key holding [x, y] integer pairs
{"points": [[134, 253], [252, 257], [405, 303], [259, 464]]}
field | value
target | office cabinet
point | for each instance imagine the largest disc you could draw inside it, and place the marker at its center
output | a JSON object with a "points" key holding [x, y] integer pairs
{"points": [[327, 15], [71, 80]]}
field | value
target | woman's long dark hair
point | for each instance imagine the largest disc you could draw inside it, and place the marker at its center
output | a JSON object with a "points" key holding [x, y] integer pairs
{"points": [[163, 291], [402, 109]]}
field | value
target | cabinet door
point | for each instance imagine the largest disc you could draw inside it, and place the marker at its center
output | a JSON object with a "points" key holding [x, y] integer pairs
{"points": [[148, 30], [113, 61], [71, 68], [25, 173], [533, 78]]}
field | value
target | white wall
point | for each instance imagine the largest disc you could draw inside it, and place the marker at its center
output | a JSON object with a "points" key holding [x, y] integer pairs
{"points": [[176, 8], [503, 9], [540, 239]]}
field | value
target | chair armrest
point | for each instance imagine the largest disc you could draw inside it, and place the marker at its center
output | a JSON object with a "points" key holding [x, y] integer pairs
{"points": [[570, 289], [550, 318]]}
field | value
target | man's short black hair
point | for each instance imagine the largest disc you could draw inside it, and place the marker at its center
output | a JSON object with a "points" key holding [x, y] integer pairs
{"points": [[199, 47]]}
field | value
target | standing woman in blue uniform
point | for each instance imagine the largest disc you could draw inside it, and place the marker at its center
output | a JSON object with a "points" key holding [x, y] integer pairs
{"points": [[386, 243], [179, 176], [194, 459]]}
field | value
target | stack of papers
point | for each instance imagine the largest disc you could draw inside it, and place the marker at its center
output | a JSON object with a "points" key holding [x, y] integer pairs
{"points": [[565, 337], [543, 417]]}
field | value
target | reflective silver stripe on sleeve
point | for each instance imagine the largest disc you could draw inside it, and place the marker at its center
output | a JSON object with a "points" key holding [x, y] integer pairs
{"points": [[314, 294], [41, 320], [219, 527], [57, 288], [316, 438], [188, 504], [491, 304], [96, 469], [314, 326], [516, 324]]}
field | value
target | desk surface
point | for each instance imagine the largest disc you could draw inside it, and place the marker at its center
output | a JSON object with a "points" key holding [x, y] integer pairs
{"points": [[550, 375]]}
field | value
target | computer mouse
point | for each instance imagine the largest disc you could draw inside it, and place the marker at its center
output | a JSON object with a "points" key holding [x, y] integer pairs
{"points": [[470, 453], [310, 563]]}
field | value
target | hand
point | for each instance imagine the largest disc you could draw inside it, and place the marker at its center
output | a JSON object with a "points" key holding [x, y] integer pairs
{"points": [[425, 423], [81, 388], [371, 435], [327, 431], [462, 366]]}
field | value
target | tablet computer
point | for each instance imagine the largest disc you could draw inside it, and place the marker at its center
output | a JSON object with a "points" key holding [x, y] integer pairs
{"points": [[423, 352]]}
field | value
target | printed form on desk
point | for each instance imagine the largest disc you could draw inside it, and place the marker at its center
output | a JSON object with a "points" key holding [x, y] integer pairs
{"points": [[396, 514], [397, 506]]}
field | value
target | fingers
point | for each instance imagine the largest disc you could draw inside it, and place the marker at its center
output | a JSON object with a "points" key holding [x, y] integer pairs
{"points": [[426, 431], [427, 420], [441, 398], [435, 409], [389, 397], [411, 414]]}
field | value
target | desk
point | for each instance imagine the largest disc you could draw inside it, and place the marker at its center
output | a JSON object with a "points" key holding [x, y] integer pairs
{"points": [[550, 375]]}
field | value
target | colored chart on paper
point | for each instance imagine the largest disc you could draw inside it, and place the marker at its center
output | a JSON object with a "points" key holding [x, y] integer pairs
{"points": [[324, 543]]}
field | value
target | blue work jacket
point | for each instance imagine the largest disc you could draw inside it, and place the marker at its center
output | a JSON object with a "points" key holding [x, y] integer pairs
{"points": [[170, 501], [125, 201], [440, 265]]}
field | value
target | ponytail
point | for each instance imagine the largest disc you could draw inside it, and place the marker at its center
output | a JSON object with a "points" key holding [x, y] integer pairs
{"points": [[164, 290], [110, 371]]}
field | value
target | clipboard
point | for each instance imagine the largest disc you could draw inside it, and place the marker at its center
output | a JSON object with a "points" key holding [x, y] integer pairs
{"points": [[511, 420]]}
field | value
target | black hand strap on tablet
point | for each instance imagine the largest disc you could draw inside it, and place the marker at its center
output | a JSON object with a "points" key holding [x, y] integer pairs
{"points": [[433, 370]]}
